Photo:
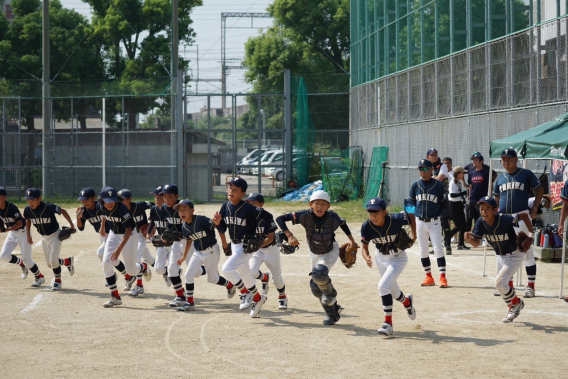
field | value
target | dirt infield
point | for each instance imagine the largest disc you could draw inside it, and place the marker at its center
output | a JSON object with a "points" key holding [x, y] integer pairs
{"points": [[457, 332]]}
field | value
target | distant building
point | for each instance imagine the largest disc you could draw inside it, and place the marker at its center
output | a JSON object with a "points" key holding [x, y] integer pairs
{"points": [[6, 6]]}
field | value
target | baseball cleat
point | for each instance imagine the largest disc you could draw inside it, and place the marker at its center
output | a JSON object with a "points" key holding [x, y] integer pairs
{"points": [[529, 293], [283, 303], [428, 282], [128, 283], [496, 293], [385, 330], [443, 283], [265, 284], [39, 280], [449, 251], [256, 305], [25, 272], [231, 292], [137, 290], [203, 271], [178, 302], [167, 280], [186, 306], [333, 314], [514, 311], [147, 273], [113, 302], [71, 266], [57, 286], [246, 300], [410, 309], [566, 299]]}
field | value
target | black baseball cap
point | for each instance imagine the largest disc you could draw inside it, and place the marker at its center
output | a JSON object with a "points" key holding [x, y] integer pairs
{"points": [[32, 193], [157, 191], [124, 193], [108, 194], [255, 196], [509, 152], [425, 163], [489, 201], [376, 204], [86, 194], [184, 202], [3, 191], [431, 150], [477, 155], [239, 182], [169, 189]]}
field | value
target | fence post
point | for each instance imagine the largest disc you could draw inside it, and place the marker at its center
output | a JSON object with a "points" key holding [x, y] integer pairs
{"points": [[46, 102], [180, 146], [288, 123], [104, 142]]}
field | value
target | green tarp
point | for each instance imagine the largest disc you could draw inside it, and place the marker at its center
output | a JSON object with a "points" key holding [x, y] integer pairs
{"points": [[552, 145]]}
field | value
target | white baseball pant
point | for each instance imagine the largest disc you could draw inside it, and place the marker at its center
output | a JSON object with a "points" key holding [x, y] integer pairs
{"points": [[271, 257], [529, 255], [390, 267], [210, 259], [235, 268], [128, 254], [162, 257], [51, 246], [176, 253], [327, 259], [101, 249], [142, 248], [432, 229], [507, 265], [13, 239]]}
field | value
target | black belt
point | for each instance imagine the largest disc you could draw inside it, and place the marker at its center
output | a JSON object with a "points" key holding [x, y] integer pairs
{"points": [[428, 219], [273, 243]]}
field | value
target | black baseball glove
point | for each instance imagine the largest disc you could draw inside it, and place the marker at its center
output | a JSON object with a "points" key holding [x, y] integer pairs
{"points": [[228, 252], [403, 241], [66, 233], [157, 241], [282, 242], [171, 235], [251, 244]]}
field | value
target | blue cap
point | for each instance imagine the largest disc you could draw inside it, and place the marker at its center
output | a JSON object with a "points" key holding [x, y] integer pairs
{"points": [[86, 193], [255, 196], [425, 163], [184, 202], [477, 155], [32, 193], [3, 191], [489, 201], [169, 189], [124, 193], [239, 182], [376, 204], [108, 194], [509, 152], [431, 150], [157, 191]]}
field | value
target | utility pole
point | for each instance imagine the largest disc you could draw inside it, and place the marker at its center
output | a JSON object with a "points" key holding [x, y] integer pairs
{"points": [[47, 154], [288, 123]]}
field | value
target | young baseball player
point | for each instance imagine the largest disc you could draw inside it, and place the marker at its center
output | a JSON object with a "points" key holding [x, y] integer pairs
{"points": [[320, 224], [12, 222], [199, 231], [119, 241], [42, 216], [499, 231], [269, 253], [157, 225], [382, 229], [138, 211], [427, 195], [240, 219]]}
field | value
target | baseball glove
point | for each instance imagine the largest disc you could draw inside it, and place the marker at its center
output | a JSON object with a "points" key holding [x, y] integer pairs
{"points": [[171, 235], [66, 233], [524, 242], [157, 241], [282, 242], [228, 252], [251, 244], [348, 255], [403, 241]]}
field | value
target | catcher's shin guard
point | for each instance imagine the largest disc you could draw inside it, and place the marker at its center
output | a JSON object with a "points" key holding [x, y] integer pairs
{"points": [[332, 314], [320, 275], [315, 290]]}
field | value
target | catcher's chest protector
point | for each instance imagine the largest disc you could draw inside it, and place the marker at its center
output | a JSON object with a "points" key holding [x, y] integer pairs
{"points": [[319, 243]]}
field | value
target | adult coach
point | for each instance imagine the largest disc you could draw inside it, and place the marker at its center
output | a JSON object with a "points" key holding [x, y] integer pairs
{"points": [[512, 190], [478, 182]]}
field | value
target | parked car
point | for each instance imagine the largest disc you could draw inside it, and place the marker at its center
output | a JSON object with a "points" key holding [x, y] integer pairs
{"points": [[269, 158], [248, 160], [278, 172]]}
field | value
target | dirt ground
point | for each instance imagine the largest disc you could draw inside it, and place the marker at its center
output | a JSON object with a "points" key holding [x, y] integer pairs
{"points": [[457, 333]]}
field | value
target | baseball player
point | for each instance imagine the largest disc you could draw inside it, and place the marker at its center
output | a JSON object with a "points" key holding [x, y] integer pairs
{"points": [[119, 241], [42, 216], [269, 253], [240, 219], [499, 231], [512, 192], [427, 194], [199, 231], [563, 214], [137, 210], [382, 229], [320, 224], [12, 222], [157, 225], [90, 211]]}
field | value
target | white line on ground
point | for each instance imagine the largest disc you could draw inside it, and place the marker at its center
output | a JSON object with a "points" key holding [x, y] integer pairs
{"points": [[168, 345], [32, 305]]}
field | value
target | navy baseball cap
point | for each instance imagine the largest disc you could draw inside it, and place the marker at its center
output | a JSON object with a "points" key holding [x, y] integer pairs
{"points": [[239, 182], [509, 152], [108, 194], [376, 204], [489, 201], [255, 196], [184, 202], [430, 151], [32, 193], [3, 191], [124, 193], [477, 155], [86, 193], [169, 189], [425, 163], [157, 191]]}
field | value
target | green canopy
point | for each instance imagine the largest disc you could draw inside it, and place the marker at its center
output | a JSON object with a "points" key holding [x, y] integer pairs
{"points": [[519, 141], [552, 145]]}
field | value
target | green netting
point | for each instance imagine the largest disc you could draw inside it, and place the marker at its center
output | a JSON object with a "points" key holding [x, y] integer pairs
{"points": [[375, 173], [342, 171], [305, 135]]}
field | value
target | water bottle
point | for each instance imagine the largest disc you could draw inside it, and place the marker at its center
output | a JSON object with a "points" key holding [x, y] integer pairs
{"points": [[542, 239], [546, 240], [537, 238]]}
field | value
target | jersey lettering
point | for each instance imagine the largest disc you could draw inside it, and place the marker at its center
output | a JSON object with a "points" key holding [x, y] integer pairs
{"points": [[198, 235], [497, 237], [39, 221], [235, 221], [174, 220], [427, 197], [512, 186], [384, 240]]}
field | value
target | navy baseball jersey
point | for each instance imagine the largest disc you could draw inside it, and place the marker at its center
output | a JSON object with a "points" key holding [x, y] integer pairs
{"points": [[318, 221], [43, 217], [94, 217], [239, 220], [158, 218], [564, 192], [11, 215], [383, 236], [501, 235], [428, 197], [138, 210], [201, 230], [119, 218], [266, 224], [173, 221], [514, 190]]}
